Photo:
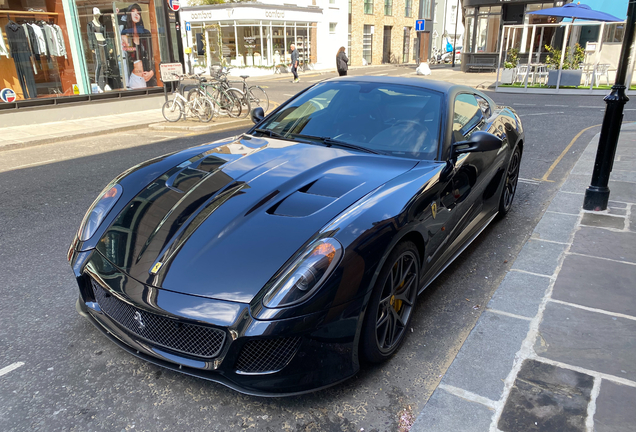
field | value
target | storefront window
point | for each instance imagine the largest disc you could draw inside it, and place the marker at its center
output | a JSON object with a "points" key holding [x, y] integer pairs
{"points": [[35, 57], [468, 32], [121, 44], [251, 43], [488, 22]]}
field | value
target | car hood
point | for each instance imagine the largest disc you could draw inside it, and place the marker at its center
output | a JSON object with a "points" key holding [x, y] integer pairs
{"points": [[220, 224]]}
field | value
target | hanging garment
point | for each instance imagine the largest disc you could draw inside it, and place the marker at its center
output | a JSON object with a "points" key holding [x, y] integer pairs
{"points": [[51, 40], [26, 32], [3, 48], [33, 40], [40, 39], [19, 45], [59, 36]]}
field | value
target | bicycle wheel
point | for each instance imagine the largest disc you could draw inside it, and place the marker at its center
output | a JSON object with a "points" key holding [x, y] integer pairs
{"points": [[204, 110], [195, 93], [258, 97], [243, 100], [172, 110], [229, 105]]}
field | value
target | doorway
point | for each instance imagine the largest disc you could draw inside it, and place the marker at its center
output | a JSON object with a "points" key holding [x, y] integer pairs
{"points": [[386, 48]]}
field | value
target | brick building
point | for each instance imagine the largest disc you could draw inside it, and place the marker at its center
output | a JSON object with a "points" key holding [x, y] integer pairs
{"points": [[382, 31]]}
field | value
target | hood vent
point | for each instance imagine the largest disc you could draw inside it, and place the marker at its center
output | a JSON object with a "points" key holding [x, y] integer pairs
{"points": [[314, 196]]}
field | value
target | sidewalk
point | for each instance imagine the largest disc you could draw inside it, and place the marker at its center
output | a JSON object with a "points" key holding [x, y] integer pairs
{"points": [[555, 349], [14, 137]]}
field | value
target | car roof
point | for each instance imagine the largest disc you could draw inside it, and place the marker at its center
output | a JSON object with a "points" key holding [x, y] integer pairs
{"points": [[425, 83]]}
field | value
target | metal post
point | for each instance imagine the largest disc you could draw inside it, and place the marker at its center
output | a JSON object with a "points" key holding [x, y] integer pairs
{"points": [[455, 35], [597, 194]]}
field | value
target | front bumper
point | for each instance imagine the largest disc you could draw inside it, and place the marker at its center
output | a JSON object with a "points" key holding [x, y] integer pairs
{"points": [[320, 349]]}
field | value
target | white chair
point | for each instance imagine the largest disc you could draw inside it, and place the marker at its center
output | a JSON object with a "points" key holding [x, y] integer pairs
{"points": [[602, 70], [522, 72], [541, 74]]}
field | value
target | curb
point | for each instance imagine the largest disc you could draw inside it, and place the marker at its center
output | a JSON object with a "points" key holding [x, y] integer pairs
{"points": [[199, 127]]}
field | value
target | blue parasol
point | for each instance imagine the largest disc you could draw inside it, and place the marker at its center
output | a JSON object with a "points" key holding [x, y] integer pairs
{"points": [[577, 11]]}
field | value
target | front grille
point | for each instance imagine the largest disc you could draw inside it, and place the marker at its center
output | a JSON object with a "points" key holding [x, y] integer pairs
{"points": [[187, 338], [267, 355]]}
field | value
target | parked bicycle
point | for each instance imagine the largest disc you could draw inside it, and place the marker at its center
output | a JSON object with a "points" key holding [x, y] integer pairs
{"points": [[254, 95], [224, 101], [179, 106]]}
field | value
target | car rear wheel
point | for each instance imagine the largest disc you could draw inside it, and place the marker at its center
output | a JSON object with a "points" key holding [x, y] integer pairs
{"points": [[391, 305], [510, 185]]}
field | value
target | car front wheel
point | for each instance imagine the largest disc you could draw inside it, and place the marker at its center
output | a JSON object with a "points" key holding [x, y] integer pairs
{"points": [[391, 305]]}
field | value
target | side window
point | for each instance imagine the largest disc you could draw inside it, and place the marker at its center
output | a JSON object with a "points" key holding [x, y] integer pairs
{"points": [[467, 114], [484, 105]]}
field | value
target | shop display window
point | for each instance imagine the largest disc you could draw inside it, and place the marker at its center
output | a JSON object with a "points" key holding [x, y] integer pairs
{"points": [[35, 59], [121, 44]]}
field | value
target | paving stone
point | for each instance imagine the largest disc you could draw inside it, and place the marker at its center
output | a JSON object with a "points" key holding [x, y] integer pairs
{"points": [[566, 203], [487, 355], [603, 243], [445, 412], [615, 408], [583, 166], [598, 284], [632, 219], [590, 340], [577, 183], [555, 227], [603, 221], [615, 204], [539, 257], [622, 191], [520, 294], [617, 211], [624, 176], [546, 398]]}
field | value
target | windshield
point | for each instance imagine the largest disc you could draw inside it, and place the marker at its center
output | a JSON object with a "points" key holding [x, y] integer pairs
{"points": [[392, 119]]}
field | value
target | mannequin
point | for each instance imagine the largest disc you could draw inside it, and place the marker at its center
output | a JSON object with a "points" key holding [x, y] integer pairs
{"points": [[97, 44]]}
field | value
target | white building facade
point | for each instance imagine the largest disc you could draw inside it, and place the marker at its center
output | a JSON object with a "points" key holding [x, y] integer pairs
{"points": [[258, 36], [447, 24]]}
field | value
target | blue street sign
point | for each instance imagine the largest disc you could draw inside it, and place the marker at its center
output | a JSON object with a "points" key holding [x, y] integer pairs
{"points": [[419, 25], [188, 28]]}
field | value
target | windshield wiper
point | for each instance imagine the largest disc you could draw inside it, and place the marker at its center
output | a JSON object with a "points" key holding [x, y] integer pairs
{"points": [[334, 142], [273, 134]]}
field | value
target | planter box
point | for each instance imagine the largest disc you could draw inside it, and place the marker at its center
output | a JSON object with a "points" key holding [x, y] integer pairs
{"points": [[507, 76], [568, 78]]}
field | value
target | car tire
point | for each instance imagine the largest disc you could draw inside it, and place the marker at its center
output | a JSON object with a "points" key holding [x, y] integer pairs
{"points": [[510, 183], [392, 303]]}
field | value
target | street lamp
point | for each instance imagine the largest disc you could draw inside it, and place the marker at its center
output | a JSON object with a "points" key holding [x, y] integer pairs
{"points": [[597, 194]]}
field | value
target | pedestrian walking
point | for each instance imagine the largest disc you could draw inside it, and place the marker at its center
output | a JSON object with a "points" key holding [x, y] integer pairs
{"points": [[294, 62], [341, 62]]}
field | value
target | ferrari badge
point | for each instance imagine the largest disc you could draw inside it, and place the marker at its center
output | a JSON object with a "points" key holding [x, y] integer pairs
{"points": [[434, 209], [156, 268]]}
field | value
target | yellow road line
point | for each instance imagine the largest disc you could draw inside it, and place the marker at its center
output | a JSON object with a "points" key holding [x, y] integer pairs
{"points": [[564, 152]]}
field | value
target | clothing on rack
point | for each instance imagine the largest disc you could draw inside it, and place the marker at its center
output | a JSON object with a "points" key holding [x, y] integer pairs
{"points": [[39, 34], [26, 32], [21, 53], [61, 47], [3, 47]]}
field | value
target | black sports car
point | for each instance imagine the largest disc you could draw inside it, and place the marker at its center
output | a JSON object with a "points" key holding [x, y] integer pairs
{"points": [[273, 262]]}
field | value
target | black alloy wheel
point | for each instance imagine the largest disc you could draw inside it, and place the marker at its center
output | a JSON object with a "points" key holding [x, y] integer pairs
{"points": [[391, 305], [510, 185]]}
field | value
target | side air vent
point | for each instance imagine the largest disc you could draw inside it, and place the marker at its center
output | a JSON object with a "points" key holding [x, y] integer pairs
{"points": [[267, 355]]}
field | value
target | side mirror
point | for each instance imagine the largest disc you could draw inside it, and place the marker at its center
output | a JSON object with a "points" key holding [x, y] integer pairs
{"points": [[257, 115], [479, 141]]}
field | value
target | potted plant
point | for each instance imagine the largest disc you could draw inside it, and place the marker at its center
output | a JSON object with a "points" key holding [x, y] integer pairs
{"points": [[510, 67], [570, 73]]}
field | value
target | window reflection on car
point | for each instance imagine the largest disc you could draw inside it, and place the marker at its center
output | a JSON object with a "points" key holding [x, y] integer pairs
{"points": [[393, 119]]}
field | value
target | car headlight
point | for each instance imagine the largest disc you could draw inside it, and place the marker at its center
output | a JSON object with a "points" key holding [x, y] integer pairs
{"points": [[98, 211], [303, 276]]}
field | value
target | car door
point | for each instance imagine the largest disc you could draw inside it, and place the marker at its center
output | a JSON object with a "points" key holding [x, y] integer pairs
{"points": [[472, 171]]}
